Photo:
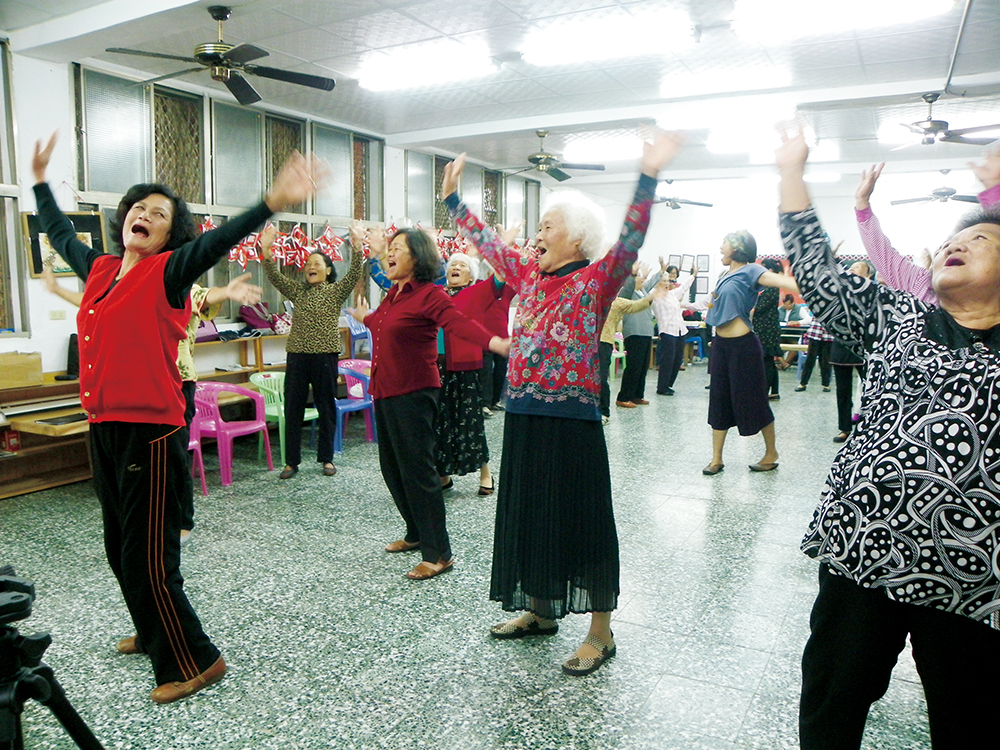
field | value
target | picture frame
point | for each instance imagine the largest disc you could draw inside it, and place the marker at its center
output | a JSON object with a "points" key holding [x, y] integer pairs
{"points": [[90, 230], [674, 260], [687, 263], [703, 263], [701, 285]]}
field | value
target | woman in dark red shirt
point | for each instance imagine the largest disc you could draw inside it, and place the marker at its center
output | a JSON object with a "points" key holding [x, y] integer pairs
{"points": [[405, 385]]}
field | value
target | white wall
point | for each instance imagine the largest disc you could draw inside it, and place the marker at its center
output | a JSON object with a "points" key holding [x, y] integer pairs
{"points": [[43, 102]]}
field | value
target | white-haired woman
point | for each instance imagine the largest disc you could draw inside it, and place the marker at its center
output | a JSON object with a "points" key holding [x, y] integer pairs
{"points": [[461, 432], [555, 548]]}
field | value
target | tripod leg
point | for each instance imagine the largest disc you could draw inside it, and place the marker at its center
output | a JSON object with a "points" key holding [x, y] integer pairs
{"points": [[61, 708]]}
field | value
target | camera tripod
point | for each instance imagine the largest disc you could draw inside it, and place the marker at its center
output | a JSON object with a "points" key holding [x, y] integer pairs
{"points": [[23, 674]]}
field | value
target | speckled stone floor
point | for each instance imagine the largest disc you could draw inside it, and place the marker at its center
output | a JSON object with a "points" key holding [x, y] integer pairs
{"points": [[329, 646]]}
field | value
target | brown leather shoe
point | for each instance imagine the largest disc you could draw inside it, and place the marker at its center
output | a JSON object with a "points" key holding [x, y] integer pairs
{"points": [[641, 402], [174, 691], [625, 404], [128, 645]]}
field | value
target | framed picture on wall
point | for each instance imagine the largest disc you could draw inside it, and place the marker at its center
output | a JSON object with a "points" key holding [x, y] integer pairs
{"points": [[90, 231], [701, 285], [674, 260], [703, 263], [687, 263]]}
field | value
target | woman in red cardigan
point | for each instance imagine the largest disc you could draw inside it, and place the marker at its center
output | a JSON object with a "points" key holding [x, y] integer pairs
{"points": [[405, 386]]}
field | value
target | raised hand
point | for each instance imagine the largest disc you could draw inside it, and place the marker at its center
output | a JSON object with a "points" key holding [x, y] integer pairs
{"points": [[661, 151], [299, 178], [509, 234], [866, 187], [360, 312], [359, 235], [266, 239], [793, 152], [377, 242], [240, 291], [40, 159], [988, 172], [452, 172]]}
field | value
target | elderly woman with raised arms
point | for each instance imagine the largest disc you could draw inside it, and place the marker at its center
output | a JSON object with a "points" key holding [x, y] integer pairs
{"points": [[555, 548], [133, 315], [908, 529]]}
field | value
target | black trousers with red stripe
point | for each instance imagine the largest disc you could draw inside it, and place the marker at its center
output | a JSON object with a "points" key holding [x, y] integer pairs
{"points": [[140, 475]]}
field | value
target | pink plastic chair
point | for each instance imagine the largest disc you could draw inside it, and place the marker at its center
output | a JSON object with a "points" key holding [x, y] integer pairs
{"points": [[194, 444], [206, 400], [357, 399]]}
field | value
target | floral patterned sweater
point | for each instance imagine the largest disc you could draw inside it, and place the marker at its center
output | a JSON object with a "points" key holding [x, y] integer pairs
{"points": [[553, 368]]}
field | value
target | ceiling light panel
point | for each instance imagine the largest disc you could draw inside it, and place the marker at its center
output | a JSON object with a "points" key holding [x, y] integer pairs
{"points": [[433, 63]]}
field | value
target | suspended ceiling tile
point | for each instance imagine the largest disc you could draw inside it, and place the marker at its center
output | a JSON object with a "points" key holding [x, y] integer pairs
{"points": [[580, 82], [820, 78], [820, 55], [908, 70], [310, 44], [922, 44], [256, 26], [314, 13], [535, 9], [386, 28], [514, 91], [451, 99], [459, 16]]}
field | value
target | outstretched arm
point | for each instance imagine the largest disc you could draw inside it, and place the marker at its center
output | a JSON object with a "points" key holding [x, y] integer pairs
{"points": [[52, 287]]}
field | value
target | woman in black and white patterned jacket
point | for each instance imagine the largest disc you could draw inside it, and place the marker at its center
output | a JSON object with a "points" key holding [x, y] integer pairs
{"points": [[908, 529]]}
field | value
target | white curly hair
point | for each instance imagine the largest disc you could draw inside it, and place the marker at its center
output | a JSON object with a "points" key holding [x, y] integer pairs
{"points": [[584, 220], [471, 263]]}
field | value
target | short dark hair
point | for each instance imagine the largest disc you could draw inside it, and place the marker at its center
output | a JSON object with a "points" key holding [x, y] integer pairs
{"points": [[182, 229], [675, 269], [332, 276], [426, 258], [980, 215], [788, 298], [772, 264]]}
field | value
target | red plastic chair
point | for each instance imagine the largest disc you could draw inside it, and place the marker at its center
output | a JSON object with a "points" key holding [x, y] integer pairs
{"points": [[194, 444], [357, 399], [206, 400]]}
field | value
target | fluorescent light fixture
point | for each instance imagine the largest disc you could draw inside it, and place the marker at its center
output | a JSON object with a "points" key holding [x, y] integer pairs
{"points": [[612, 147], [701, 114], [424, 65], [825, 150], [608, 36], [772, 21], [895, 134], [822, 177], [732, 81]]}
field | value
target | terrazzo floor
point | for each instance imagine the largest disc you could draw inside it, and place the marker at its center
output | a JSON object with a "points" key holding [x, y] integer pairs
{"points": [[330, 646]]}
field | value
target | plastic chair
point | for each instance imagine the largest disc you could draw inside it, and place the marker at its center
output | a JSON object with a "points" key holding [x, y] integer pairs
{"points": [[357, 400], [694, 338], [194, 444], [206, 401], [359, 332], [272, 387], [618, 355]]}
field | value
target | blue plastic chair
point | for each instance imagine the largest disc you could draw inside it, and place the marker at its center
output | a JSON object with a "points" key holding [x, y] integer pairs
{"points": [[359, 332], [357, 381]]}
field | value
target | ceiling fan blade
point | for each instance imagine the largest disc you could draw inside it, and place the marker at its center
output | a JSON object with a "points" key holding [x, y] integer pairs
{"points": [[557, 173], [952, 138], [240, 88], [595, 167], [288, 76], [905, 145], [123, 51], [244, 53], [977, 129], [913, 200], [169, 75], [913, 128], [517, 171], [693, 203], [965, 198]]}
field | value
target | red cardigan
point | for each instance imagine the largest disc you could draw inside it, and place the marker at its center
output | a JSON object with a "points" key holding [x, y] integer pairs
{"points": [[475, 302], [128, 344], [404, 335]]}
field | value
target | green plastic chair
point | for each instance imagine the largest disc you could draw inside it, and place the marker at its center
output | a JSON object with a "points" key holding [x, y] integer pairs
{"points": [[272, 386]]}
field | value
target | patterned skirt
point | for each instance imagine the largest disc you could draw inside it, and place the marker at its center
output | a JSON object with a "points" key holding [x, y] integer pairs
{"points": [[461, 433], [555, 548]]}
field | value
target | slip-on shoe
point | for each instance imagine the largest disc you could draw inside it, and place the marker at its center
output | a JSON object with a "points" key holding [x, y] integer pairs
{"points": [[173, 691]]}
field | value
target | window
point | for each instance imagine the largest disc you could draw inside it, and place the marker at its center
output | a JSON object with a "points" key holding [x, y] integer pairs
{"points": [[334, 146], [115, 132], [283, 137], [179, 143], [13, 310], [420, 174], [239, 156]]}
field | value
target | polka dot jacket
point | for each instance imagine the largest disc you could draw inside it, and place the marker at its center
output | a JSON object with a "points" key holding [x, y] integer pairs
{"points": [[911, 504]]}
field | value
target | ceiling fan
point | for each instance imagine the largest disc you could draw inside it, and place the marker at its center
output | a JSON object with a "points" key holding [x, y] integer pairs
{"points": [[226, 63], [676, 203], [941, 194], [932, 131], [550, 164]]}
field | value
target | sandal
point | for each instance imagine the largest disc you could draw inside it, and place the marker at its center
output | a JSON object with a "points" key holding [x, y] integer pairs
{"points": [[426, 570], [712, 469], [579, 666], [401, 545], [484, 490], [528, 625]]}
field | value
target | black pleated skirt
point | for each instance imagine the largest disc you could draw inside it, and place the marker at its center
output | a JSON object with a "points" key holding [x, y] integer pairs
{"points": [[555, 548], [461, 432]]}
